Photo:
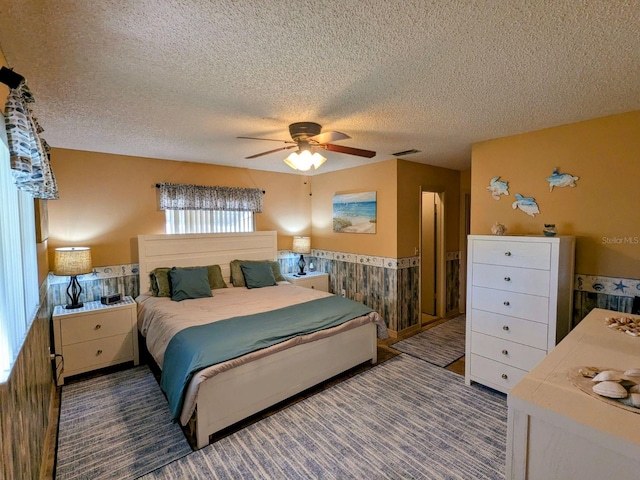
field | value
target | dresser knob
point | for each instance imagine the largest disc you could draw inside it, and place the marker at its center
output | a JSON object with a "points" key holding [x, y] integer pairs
{"points": [[506, 304], [504, 376], [505, 327], [508, 254], [97, 327], [505, 352], [507, 279], [98, 353]]}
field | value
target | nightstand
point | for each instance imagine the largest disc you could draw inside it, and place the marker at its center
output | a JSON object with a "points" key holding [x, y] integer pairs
{"points": [[94, 336], [316, 280]]}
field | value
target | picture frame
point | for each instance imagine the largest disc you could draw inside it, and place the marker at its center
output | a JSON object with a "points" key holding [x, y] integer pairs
{"points": [[355, 212]]}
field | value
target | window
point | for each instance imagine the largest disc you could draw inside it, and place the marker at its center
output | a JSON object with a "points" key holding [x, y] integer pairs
{"points": [[208, 221], [19, 294], [201, 209]]}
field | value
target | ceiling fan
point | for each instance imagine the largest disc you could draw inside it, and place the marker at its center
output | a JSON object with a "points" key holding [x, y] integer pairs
{"points": [[306, 137]]}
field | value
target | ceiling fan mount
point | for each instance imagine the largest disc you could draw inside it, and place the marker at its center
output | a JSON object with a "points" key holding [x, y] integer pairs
{"points": [[303, 131], [308, 136]]}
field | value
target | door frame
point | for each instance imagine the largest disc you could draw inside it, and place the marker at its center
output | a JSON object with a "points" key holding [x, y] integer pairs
{"points": [[441, 279]]}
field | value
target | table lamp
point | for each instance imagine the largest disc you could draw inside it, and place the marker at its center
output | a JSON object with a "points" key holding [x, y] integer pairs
{"points": [[301, 245], [72, 261]]}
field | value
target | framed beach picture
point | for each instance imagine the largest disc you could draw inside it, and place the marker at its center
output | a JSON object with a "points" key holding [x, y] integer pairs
{"points": [[354, 212]]}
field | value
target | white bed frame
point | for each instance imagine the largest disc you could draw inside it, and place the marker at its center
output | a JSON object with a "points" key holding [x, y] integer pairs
{"points": [[240, 392]]}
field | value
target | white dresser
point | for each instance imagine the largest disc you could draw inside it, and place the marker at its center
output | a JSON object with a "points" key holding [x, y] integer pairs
{"points": [[555, 430], [519, 304]]}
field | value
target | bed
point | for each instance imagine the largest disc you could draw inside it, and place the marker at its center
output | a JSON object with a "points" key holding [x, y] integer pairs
{"points": [[227, 392]]}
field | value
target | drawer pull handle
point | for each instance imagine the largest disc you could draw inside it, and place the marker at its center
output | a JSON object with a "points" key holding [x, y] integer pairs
{"points": [[97, 327], [507, 254], [506, 303], [98, 353], [504, 376], [505, 328], [505, 352], [507, 279]]}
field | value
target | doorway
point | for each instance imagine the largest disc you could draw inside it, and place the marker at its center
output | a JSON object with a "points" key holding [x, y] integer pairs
{"points": [[432, 280]]}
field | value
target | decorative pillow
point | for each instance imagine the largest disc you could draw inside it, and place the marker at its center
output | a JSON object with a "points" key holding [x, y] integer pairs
{"points": [[237, 278], [191, 282], [160, 286], [258, 275], [215, 277]]}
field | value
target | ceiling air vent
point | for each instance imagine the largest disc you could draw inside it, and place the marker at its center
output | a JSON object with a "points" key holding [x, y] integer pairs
{"points": [[406, 152]]}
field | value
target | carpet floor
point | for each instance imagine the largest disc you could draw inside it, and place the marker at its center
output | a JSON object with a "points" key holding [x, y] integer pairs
{"points": [[440, 345], [116, 426], [404, 418]]}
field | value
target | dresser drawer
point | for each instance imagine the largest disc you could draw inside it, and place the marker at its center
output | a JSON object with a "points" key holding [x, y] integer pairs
{"points": [[512, 279], [514, 329], [93, 354], [495, 374], [95, 325], [529, 307], [513, 254], [504, 351]]}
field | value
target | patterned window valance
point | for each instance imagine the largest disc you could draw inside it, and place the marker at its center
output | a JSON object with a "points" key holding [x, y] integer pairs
{"points": [[197, 197], [29, 152]]}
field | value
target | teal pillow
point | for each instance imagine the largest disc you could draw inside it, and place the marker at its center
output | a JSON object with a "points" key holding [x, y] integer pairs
{"points": [[186, 283], [258, 275], [160, 285], [237, 277], [215, 277]]}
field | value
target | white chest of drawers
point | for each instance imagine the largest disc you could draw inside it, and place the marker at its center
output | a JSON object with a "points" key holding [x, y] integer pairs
{"points": [[519, 304]]}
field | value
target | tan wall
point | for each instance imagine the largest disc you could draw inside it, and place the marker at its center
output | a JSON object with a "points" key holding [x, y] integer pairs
{"points": [[602, 210], [412, 176], [106, 200], [379, 177]]}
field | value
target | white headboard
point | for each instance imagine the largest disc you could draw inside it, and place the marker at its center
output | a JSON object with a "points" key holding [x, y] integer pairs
{"points": [[190, 250]]}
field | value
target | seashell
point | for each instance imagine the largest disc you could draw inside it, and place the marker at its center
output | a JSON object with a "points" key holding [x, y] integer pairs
{"points": [[632, 400], [634, 389], [608, 376], [610, 389], [589, 372], [632, 372]]}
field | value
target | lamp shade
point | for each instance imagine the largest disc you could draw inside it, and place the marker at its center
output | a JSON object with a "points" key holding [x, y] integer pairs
{"points": [[301, 245], [71, 261]]}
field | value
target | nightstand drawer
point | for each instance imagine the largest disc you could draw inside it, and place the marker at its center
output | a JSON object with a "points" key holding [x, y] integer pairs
{"points": [[93, 354], [95, 325], [513, 254], [504, 351], [512, 279]]}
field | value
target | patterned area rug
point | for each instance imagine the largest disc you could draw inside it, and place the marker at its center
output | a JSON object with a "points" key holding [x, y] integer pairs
{"points": [[116, 426], [440, 345], [404, 418]]}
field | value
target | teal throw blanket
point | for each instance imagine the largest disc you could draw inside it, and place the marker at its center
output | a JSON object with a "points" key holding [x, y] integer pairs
{"points": [[201, 346]]}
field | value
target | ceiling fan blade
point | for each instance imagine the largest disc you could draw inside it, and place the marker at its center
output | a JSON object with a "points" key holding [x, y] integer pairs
{"points": [[349, 150], [271, 151], [268, 139], [327, 137]]}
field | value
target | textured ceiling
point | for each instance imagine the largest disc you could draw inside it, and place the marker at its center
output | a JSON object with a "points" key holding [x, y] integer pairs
{"points": [[180, 79]]}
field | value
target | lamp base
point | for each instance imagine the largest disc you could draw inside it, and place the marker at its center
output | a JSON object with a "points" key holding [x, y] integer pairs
{"points": [[75, 305], [301, 265]]}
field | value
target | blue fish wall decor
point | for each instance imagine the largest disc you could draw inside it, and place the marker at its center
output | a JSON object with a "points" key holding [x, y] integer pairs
{"points": [[498, 187], [561, 180], [527, 204]]}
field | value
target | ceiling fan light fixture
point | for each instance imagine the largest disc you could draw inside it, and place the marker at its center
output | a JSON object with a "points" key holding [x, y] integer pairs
{"points": [[304, 160]]}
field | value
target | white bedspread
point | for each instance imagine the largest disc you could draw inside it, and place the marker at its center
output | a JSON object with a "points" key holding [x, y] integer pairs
{"points": [[159, 319]]}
